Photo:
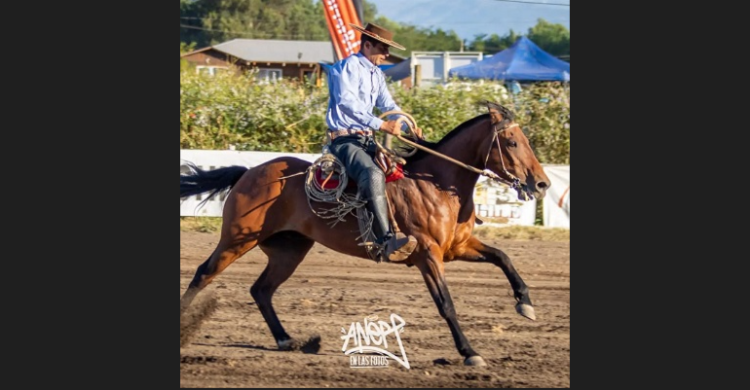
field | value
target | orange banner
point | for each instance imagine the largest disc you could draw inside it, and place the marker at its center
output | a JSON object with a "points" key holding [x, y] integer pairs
{"points": [[339, 13]]}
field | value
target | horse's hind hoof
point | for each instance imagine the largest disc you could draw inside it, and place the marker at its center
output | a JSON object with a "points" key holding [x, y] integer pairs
{"points": [[312, 345], [288, 345], [526, 311], [476, 361]]}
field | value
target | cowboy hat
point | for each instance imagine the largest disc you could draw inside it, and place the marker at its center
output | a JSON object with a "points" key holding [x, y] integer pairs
{"points": [[379, 33]]}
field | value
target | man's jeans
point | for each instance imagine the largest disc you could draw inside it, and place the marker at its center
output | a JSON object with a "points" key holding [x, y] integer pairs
{"points": [[356, 153]]}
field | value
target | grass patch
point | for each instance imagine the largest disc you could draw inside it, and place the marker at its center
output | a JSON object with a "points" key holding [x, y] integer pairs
{"points": [[200, 224], [527, 233]]}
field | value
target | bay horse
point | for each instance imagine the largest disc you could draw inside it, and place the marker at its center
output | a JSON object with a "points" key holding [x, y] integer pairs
{"points": [[267, 207]]}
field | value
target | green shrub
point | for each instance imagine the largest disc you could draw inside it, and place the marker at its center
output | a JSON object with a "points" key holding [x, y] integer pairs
{"points": [[226, 109]]}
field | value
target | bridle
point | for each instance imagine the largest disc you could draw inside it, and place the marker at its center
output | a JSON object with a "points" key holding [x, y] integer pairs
{"points": [[512, 180]]}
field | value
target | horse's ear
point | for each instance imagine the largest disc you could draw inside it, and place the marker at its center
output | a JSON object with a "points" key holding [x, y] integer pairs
{"points": [[495, 114], [498, 113]]}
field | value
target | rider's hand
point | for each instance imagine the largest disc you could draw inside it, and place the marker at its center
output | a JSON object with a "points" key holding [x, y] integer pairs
{"points": [[391, 127]]}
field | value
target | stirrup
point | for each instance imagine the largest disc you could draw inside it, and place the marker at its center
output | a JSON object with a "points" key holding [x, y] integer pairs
{"points": [[399, 247]]}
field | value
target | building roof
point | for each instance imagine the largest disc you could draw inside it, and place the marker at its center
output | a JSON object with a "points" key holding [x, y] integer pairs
{"points": [[273, 50], [270, 50]]}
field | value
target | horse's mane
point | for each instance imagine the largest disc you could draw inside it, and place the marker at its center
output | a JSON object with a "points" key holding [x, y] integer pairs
{"points": [[420, 154]]}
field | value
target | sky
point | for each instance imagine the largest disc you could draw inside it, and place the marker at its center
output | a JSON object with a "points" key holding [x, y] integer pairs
{"points": [[471, 17]]}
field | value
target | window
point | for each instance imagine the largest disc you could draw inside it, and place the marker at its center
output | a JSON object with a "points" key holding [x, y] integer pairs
{"points": [[210, 70], [269, 75]]}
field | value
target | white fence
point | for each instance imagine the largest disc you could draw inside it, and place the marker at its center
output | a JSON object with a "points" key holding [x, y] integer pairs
{"points": [[496, 204]]}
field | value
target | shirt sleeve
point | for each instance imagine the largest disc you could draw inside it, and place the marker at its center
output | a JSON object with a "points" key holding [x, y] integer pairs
{"points": [[349, 103], [385, 101]]}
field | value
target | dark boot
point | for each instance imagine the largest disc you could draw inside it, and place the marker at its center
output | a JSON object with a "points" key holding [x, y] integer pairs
{"points": [[394, 247]]}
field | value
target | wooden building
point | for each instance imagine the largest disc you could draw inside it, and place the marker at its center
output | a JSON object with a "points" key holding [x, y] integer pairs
{"points": [[273, 58]]}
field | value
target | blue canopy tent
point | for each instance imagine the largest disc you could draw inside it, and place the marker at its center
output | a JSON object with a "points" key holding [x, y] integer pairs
{"points": [[398, 71], [524, 61]]}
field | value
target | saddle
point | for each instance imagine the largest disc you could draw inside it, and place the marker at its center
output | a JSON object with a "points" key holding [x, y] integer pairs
{"points": [[327, 178], [324, 185]]}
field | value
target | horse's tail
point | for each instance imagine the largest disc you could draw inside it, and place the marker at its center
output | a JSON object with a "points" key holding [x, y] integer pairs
{"points": [[198, 181]]}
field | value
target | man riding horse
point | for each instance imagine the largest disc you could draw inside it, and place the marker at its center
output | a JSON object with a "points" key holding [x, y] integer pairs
{"points": [[356, 86]]}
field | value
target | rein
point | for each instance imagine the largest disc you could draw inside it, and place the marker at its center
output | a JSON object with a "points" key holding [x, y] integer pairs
{"points": [[514, 182]]}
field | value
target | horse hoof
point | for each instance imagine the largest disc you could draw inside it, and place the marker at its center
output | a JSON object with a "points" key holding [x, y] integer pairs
{"points": [[475, 361], [312, 345], [289, 345], [526, 311]]}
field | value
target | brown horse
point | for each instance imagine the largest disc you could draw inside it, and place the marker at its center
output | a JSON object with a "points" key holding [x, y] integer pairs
{"points": [[434, 203]]}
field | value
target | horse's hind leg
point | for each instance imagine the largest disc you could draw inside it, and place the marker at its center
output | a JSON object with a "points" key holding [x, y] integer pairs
{"points": [[285, 251], [227, 251]]}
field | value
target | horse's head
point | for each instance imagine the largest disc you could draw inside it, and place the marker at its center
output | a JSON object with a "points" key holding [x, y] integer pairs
{"points": [[518, 160]]}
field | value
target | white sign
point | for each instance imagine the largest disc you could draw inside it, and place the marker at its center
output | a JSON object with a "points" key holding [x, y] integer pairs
{"points": [[498, 205], [557, 202]]}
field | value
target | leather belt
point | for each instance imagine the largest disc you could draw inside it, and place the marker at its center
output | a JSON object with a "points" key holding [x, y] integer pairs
{"points": [[340, 133]]}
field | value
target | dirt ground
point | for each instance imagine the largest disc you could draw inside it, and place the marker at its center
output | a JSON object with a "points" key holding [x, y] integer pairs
{"points": [[233, 346]]}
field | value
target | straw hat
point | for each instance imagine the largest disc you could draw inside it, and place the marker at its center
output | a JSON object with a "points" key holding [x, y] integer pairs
{"points": [[379, 33]]}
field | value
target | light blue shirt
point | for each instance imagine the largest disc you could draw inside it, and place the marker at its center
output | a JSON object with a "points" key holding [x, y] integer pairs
{"points": [[356, 86]]}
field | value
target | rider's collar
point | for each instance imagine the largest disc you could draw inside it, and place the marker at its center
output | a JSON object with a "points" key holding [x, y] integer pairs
{"points": [[364, 61]]}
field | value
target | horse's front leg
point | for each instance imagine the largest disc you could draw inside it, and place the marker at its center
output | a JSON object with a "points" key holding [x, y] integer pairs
{"points": [[430, 263], [477, 251]]}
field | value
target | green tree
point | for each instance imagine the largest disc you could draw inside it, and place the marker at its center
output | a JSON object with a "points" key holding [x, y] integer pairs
{"points": [[414, 38], [209, 22], [552, 38], [190, 17], [478, 43], [370, 11], [495, 43]]}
